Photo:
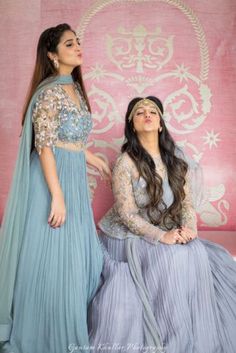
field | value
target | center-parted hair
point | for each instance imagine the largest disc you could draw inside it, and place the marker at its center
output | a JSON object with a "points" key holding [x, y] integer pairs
{"points": [[44, 68], [158, 212]]}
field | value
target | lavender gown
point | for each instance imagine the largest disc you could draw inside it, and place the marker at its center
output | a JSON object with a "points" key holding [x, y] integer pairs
{"points": [[156, 297]]}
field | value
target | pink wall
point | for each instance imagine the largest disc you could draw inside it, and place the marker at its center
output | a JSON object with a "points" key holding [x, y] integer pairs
{"points": [[183, 52]]}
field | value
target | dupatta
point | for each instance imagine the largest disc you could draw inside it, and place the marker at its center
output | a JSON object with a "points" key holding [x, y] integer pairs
{"points": [[12, 228]]}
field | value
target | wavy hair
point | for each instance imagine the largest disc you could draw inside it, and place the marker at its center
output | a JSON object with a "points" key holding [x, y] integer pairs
{"points": [[158, 212]]}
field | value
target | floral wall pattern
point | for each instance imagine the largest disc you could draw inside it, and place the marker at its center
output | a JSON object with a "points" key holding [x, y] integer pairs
{"points": [[180, 51]]}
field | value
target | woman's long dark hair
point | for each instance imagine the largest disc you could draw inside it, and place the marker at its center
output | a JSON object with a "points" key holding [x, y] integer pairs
{"points": [[44, 68], [158, 212]]}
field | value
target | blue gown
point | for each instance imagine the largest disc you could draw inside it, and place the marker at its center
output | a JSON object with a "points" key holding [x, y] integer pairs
{"points": [[156, 297], [58, 269]]}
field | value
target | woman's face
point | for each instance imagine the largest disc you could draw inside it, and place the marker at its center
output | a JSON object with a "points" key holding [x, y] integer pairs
{"points": [[146, 119], [69, 53]]}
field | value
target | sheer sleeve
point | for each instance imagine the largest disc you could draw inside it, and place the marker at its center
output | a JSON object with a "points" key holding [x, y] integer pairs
{"points": [[189, 214], [125, 204], [45, 119]]}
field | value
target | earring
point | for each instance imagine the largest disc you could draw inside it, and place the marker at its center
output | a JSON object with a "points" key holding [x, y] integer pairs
{"points": [[160, 129], [56, 63]]}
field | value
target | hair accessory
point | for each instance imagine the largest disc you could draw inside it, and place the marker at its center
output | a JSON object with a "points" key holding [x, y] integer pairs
{"points": [[145, 102]]}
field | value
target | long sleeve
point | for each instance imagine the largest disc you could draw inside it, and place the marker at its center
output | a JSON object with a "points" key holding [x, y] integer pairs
{"points": [[189, 215], [125, 204], [46, 119]]}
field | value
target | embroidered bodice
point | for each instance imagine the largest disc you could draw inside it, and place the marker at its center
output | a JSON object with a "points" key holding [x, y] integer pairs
{"points": [[57, 118], [128, 217]]}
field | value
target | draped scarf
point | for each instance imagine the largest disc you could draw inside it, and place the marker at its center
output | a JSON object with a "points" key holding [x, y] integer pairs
{"points": [[12, 228]]}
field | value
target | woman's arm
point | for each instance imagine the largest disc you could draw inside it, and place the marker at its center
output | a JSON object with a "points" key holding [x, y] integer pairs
{"points": [[125, 204], [58, 210], [128, 210], [46, 122], [98, 163], [189, 218]]}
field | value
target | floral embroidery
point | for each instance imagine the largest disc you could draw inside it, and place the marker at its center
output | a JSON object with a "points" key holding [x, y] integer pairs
{"points": [[57, 117], [128, 216], [133, 217], [189, 218]]}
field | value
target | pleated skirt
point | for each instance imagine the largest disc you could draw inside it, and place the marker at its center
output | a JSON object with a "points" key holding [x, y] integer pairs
{"points": [[59, 269], [164, 298]]}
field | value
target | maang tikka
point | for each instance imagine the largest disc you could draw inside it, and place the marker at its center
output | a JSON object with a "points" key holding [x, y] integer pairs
{"points": [[144, 101]]}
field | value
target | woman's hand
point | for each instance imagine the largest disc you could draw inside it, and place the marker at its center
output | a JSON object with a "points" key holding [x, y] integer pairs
{"points": [[170, 237], [103, 169], [99, 164], [188, 233], [57, 215], [178, 236]]}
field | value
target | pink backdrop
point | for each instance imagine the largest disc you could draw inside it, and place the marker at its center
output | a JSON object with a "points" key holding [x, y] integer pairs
{"points": [[181, 51]]}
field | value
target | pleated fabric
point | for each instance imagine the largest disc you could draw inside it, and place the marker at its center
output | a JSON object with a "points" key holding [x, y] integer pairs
{"points": [[12, 227], [181, 296], [59, 269]]}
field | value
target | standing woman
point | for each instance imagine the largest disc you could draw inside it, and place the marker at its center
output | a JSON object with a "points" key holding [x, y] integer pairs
{"points": [[50, 256]]}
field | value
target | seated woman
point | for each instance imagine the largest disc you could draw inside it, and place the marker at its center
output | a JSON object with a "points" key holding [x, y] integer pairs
{"points": [[163, 289]]}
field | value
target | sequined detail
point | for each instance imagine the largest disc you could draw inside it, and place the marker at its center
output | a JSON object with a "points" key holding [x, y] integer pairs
{"points": [[128, 217], [189, 217], [145, 102], [72, 146], [57, 118]]}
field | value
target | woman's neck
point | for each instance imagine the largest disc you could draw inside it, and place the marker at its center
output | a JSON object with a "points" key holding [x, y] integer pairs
{"points": [[65, 71], [150, 143]]}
